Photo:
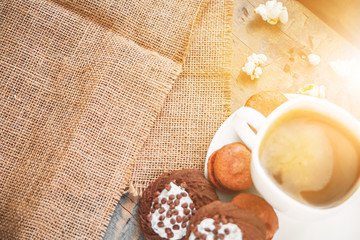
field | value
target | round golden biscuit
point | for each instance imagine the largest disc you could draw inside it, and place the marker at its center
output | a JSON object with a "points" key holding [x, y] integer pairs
{"points": [[232, 167], [266, 101], [211, 173], [262, 208]]}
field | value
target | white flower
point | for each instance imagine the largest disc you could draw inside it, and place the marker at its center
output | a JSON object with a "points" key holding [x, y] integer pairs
{"points": [[314, 59], [252, 67], [313, 90], [272, 12]]}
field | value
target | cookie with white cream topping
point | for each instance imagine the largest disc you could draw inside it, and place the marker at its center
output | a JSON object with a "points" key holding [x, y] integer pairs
{"points": [[219, 220], [168, 203]]}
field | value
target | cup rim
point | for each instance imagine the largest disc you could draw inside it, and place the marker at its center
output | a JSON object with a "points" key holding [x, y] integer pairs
{"points": [[329, 109]]}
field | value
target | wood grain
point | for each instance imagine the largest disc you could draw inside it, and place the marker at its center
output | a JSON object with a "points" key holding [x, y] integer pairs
{"points": [[285, 45], [341, 15], [124, 222]]}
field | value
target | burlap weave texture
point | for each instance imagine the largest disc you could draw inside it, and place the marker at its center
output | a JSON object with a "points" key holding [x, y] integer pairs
{"points": [[197, 104], [81, 84]]}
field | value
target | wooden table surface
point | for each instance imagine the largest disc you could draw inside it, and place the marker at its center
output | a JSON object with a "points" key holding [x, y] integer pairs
{"points": [[284, 45], [341, 15], [286, 70]]}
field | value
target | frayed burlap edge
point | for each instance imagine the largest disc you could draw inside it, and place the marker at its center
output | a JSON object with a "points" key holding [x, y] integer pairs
{"points": [[229, 6], [180, 59]]}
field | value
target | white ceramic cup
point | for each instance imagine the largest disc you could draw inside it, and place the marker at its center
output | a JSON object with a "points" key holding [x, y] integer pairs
{"points": [[264, 184]]}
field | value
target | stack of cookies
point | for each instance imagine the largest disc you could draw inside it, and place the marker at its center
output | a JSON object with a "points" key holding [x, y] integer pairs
{"points": [[169, 202], [183, 204]]}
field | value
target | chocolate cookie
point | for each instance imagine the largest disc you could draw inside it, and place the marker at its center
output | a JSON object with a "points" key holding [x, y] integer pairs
{"points": [[221, 220], [169, 202]]}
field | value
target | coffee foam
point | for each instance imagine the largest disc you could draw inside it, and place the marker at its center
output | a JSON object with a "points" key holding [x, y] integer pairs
{"points": [[299, 156]]}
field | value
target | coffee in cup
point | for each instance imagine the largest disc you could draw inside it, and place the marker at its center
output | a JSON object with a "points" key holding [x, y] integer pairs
{"points": [[312, 157], [305, 156]]}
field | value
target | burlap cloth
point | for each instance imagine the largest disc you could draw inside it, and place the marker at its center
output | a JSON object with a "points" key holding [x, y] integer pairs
{"points": [[197, 104], [81, 85]]}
